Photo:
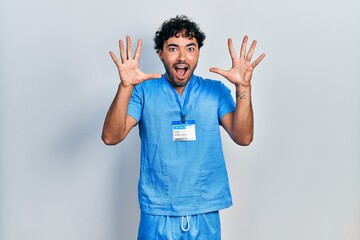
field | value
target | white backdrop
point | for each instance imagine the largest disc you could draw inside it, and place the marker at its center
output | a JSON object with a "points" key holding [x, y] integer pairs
{"points": [[298, 180]]}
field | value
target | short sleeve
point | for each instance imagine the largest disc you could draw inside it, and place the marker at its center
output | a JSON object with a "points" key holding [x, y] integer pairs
{"points": [[227, 103], [136, 103]]}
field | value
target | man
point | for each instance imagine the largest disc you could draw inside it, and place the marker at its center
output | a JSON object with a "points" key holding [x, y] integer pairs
{"points": [[183, 179]]}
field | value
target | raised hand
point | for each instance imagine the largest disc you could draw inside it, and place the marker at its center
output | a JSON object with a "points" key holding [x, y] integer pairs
{"points": [[242, 68], [129, 67]]}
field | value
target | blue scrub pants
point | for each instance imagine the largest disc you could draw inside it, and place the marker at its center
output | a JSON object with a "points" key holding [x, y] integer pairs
{"points": [[196, 227]]}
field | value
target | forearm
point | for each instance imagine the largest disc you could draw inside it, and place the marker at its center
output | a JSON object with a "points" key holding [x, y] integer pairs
{"points": [[114, 129], [243, 118]]}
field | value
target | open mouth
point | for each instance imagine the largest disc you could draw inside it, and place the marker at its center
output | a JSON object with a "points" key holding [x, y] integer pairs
{"points": [[181, 70]]}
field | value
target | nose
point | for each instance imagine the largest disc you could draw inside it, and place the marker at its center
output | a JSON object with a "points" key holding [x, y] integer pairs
{"points": [[181, 55]]}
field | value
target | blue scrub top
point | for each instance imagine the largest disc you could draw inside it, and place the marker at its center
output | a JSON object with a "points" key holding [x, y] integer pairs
{"points": [[179, 178]]}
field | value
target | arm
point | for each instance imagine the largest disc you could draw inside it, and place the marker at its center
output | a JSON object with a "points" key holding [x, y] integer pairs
{"points": [[117, 122], [240, 124]]}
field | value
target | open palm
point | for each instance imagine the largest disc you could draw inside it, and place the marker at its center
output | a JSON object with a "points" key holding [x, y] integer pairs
{"points": [[242, 69], [129, 67]]}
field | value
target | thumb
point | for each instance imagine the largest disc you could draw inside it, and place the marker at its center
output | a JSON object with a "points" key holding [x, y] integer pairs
{"points": [[152, 76], [218, 71]]}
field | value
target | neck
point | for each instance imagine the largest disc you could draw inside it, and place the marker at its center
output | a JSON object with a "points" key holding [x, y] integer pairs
{"points": [[180, 90]]}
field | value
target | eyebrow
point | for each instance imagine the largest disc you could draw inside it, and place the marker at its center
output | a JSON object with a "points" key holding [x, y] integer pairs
{"points": [[176, 45]]}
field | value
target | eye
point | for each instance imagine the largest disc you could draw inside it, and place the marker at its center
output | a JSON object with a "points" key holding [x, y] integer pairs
{"points": [[191, 49], [172, 49]]}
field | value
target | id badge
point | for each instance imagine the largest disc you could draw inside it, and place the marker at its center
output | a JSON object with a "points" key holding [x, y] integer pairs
{"points": [[184, 131]]}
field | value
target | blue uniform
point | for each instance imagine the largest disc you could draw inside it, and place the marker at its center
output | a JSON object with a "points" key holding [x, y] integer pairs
{"points": [[181, 178], [200, 227]]}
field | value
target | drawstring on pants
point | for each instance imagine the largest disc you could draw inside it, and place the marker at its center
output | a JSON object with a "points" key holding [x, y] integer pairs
{"points": [[187, 223]]}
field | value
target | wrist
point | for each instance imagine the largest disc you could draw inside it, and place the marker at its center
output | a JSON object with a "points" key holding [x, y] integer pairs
{"points": [[242, 86], [125, 88], [243, 92]]}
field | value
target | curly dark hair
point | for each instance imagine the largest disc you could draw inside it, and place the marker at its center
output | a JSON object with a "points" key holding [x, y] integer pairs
{"points": [[174, 26]]}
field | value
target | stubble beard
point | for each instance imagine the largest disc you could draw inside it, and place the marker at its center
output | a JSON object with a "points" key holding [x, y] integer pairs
{"points": [[171, 78]]}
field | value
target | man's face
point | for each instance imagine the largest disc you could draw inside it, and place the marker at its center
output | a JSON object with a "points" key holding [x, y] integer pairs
{"points": [[180, 57]]}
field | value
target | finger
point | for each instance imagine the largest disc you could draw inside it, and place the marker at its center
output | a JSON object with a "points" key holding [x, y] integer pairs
{"points": [[114, 58], [219, 71], [258, 60], [231, 49], [243, 47], [251, 51], [128, 47], [138, 50], [152, 76], [122, 51]]}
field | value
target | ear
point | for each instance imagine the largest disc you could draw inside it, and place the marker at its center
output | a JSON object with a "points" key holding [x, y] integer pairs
{"points": [[160, 54]]}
